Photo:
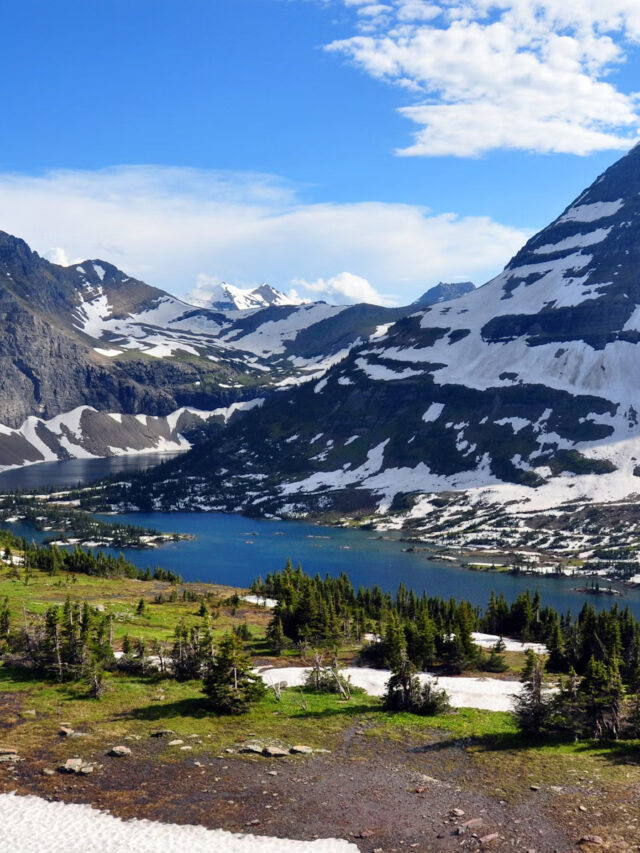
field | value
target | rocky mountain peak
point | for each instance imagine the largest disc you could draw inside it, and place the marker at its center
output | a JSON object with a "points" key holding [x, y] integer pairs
{"points": [[444, 291]]}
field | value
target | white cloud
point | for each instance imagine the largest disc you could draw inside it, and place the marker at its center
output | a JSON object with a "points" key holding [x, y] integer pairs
{"points": [[522, 74], [344, 287], [58, 255], [168, 225]]}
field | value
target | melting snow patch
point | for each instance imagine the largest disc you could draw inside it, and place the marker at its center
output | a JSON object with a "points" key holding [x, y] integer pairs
{"points": [[577, 241], [30, 823], [433, 412], [488, 694], [592, 212]]}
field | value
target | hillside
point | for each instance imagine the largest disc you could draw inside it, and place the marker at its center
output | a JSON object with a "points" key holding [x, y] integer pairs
{"points": [[521, 392], [84, 346]]}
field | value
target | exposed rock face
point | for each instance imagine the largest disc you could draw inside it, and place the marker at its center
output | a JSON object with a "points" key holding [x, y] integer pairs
{"points": [[524, 389], [444, 291], [88, 335]]}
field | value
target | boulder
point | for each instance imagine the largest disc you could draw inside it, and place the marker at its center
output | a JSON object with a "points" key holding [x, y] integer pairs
{"points": [[300, 749], [71, 765], [176, 742], [253, 748], [274, 752], [119, 751]]}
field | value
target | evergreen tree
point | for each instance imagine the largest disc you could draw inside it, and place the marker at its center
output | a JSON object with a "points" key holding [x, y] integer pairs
{"points": [[532, 707], [229, 682], [602, 692], [5, 621], [275, 635]]}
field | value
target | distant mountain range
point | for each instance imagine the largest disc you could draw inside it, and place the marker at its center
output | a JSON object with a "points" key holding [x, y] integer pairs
{"points": [[525, 390], [95, 362], [228, 297]]}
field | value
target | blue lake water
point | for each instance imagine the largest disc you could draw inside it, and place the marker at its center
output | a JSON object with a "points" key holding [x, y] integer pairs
{"points": [[231, 549]]}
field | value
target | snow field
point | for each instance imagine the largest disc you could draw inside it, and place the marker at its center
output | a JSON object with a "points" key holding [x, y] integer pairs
{"points": [[488, 694], [33, 825]]}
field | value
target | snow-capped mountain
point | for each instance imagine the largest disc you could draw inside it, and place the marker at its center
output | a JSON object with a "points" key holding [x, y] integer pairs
{"points": [[89, 335], [525, 390], [228, 297]]}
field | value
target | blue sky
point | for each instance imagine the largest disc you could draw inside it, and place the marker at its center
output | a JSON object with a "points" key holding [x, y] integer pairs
{"points": [[198, 140]]}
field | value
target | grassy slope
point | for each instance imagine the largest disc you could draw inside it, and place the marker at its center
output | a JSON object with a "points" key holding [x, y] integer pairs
{"points": [[134, 706]]}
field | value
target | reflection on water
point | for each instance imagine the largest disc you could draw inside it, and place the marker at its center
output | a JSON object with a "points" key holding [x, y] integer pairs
{"points": [[73, 471]]}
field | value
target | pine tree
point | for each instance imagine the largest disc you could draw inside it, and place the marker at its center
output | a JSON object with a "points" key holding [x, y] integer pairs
{"points": [[532, 707], [229, 682], [556, 661], [394, 643], [275, 635], [5, 621], [602, 692]]}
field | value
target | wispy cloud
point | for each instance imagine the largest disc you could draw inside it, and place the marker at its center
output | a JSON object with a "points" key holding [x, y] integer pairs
{"points": [[489, 74], [168, 226]]}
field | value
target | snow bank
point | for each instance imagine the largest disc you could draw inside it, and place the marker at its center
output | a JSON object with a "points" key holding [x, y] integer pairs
{"points": [[488, 694], [488, 641], [31, 824], [260, 599]]}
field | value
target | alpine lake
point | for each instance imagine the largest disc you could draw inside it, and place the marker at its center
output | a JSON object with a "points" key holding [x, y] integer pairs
{"points": [[233, 550]]}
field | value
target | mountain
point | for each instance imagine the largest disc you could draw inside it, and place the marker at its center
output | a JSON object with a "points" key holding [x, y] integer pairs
{"points": [[227, 297], [88, 336], [523, 392], [444, 291]]}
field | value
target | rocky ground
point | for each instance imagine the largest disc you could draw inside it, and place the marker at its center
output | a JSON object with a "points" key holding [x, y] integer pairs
{"points": [[428, 793]]}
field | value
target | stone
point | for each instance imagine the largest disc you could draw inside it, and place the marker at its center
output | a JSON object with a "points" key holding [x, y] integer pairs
{"points": [[591, 839], [71, 765], [9, 757], [457, 812], [163, 733], [29, 713], [473, 823], [186, 747], [85, 770], [300, 749], [534, 787], [9, 750], [487, 839], [274, 752], [176, 742], [119, 751], [65, 731], [47, 771], [582, 808], [252, 748]]}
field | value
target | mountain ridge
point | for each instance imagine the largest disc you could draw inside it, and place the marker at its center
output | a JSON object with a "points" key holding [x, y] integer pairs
{"points": [[520, 391]]}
